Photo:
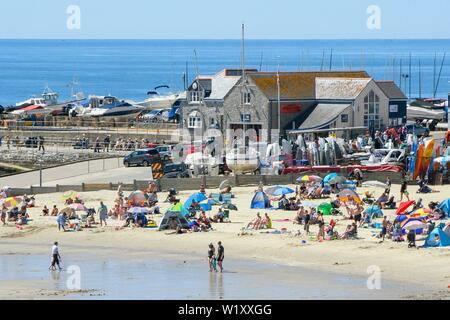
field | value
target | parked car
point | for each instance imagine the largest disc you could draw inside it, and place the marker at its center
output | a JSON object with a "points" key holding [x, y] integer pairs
{"points": [[143, 157], [176, 170], [154, 116], [31, 142], [417, 129], [165, 151]]}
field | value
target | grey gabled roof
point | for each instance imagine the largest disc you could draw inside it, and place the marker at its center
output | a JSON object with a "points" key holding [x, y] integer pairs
{"points": [[391, 90], [340, 88], [323, 115]]}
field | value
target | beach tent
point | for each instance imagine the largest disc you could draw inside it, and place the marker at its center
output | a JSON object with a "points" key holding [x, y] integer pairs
{"points": [[197, 197], [326, 208], [177, 217], [260, 201], [206, 205], [375, 212], [445, 205], [438, 238], [178, 208]]}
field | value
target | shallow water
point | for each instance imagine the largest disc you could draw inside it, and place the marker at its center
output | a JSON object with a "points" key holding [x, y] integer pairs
{"points": [[171, 279]]}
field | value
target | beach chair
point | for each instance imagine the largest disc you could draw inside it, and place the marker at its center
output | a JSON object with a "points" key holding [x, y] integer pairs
{"points": [[226, 216], [216, 198], [226, 198]]}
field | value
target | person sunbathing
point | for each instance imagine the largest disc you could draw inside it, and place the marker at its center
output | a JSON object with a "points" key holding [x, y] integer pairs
{"points": [[45, 211], [351, 232], [55, 211], [255, 222], [266, 223]]}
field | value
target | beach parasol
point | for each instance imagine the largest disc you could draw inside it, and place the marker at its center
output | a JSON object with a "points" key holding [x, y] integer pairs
{"points": [[445, 205], [139, 210], [206, 205], [12, 201], [309, 204], [413, 224], [77, 207], [337, 179], [423, 212], [403, 207], [348, 195], [224, 184], [69, 195], [309, 178], [329, 176], [374, 184], [279, 191]]}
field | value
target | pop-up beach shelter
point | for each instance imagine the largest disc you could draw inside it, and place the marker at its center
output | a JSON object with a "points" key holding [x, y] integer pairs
{"points": [[326, 208], [445, 205], [375, 212], [173, 218], [260, 201], [197, 197], [438, 238]]}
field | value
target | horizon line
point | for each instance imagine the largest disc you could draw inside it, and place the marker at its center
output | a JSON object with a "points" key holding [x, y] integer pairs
{"points": [[226, 39]]}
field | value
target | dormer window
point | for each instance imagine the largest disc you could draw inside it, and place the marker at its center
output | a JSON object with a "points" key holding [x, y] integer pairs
{"points": [[195, 96], [247, 98]]}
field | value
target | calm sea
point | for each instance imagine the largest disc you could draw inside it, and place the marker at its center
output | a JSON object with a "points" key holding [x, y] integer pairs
{"points": [[129, 68]]}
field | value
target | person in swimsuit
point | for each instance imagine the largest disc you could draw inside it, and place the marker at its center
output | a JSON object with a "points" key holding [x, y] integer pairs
{"points": [[321, 223], [220, 256], [384, 228], [56, 258], [212, 258], [404, 191]]}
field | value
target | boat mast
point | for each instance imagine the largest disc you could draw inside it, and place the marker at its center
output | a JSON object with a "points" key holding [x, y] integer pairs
{"points": [[420, 78], [439, 76], [410, 76], [331, 59]]}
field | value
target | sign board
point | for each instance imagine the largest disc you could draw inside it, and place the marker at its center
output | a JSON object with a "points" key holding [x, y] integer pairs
{"points": [[291, 108], [157, 171]]}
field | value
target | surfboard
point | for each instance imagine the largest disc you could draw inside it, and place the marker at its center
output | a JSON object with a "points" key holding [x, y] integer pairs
{"points": [[418, 163], [427, 155]]}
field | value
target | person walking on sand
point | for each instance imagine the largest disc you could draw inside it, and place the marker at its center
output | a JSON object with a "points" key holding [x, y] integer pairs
{"points": [[404, 191], [103, 213], [3, 214], [384, 225], [220, 255], [212, 258], [56, 258]]}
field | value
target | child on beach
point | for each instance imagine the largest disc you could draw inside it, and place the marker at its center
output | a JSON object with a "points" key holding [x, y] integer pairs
{"points": [[212, 258]]}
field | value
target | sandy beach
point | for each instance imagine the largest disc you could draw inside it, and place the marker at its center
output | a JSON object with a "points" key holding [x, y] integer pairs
{"points": [[420, 273]]}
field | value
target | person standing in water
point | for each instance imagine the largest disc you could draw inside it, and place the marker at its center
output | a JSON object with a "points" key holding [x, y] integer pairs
{"points": [[212, 258], [103, 213], [220, 255], [56, 258]]}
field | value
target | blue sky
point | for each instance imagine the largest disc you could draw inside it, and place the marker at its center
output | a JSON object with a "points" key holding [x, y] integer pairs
{"points": [[212, 19]]}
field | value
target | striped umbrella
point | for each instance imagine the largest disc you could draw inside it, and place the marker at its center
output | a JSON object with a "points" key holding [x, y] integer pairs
{"points": [[69, 195], [12, 201]]}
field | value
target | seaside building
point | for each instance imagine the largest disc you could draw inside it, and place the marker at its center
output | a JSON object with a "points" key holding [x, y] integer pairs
{"points": [[203, 108], [265, 101]]}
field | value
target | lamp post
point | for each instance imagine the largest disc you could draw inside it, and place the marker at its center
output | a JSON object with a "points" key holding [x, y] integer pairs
{"points": [[279, 102]]}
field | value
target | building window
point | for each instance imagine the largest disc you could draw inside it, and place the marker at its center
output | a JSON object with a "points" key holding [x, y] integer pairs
{"points": [[393, 108], [195, 120], [372, 119], [247, 98], [195, 96], [344, 118]]}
